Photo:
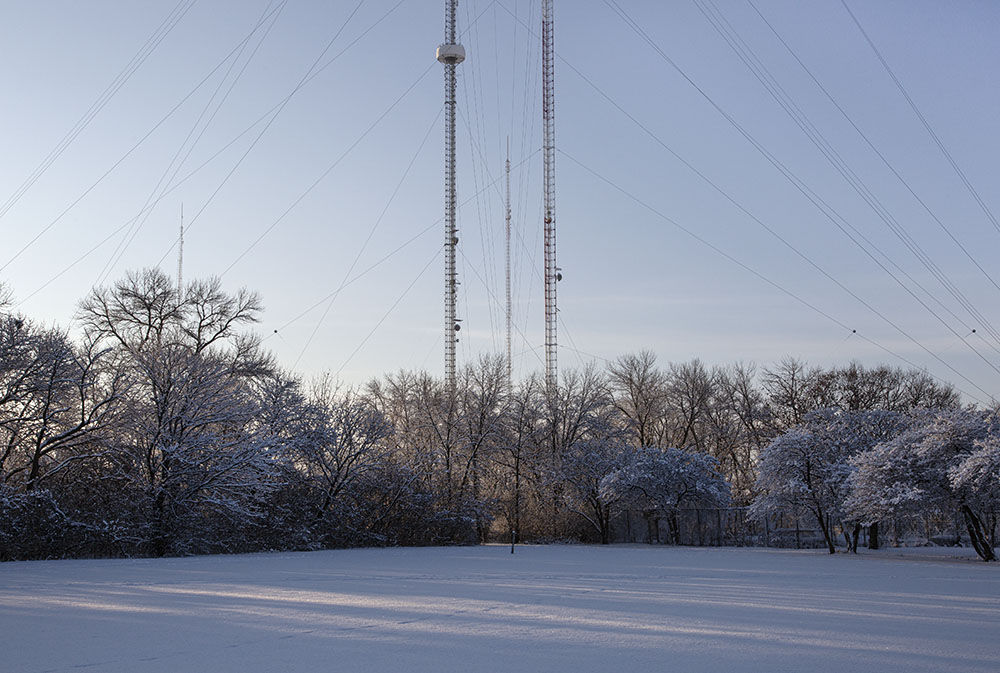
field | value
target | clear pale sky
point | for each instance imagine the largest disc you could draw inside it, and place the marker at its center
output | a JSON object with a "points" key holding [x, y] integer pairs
{"points": [[624, 115]]}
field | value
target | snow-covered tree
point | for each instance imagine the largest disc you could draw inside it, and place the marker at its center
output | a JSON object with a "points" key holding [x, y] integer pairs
{"points": [[167, 428], [483, 425], [523, 433], [191, 451], [340, 443], [663, 481], [948, 462], [584, 468], [194, 449], [576, 411], [447, 439], [806, 469]]}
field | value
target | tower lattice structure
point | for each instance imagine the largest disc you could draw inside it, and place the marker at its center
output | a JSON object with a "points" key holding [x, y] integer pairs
{"points": [[450, 54], [552, 275]]}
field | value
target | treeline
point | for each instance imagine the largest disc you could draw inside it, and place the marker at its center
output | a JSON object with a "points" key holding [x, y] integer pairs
{"points": [[165, 428]]}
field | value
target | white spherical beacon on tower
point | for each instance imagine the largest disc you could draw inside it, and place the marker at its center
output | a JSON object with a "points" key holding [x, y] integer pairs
{"points": [[451, 54]]}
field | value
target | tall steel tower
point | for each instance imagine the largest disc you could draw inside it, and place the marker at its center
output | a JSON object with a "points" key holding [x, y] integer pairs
{"points": [[552, 274], [450, 54], [180, 260], [507, 261]]}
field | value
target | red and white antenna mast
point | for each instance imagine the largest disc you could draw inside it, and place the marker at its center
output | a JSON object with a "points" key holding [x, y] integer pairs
{"points": [[552, 275], [450, 54]]}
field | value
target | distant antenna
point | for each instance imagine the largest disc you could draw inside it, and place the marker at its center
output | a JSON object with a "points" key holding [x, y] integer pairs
{"points": [[507, 260], [552, 274], [180, 259], [450, 54]]}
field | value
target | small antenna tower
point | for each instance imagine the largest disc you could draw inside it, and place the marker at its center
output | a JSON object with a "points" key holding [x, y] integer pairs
{"points": [[450, 54], [180, 259], [552, 275], [507, 261]]}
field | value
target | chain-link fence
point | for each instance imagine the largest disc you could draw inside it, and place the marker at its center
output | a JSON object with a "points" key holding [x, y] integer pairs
{"points": [[733, 526]]}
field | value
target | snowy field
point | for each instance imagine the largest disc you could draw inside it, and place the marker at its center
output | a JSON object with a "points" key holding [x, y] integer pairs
{"points": [[555, 609]]}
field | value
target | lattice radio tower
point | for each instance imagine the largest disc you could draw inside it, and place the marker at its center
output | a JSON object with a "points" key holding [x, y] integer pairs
{"points": [[506, 208], [180, 260], [552, 275], [450, 54]]}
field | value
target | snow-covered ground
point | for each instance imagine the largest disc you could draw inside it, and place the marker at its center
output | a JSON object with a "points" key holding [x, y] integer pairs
{"points": [[553, 608]]}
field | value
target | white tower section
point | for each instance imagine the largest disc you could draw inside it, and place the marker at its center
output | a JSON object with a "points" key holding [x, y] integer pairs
{"points": [[450, 54], [552, 274]]}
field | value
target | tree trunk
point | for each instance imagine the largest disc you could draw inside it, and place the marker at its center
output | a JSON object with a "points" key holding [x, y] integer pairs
{"points": [[825, 525], [873, 536], [516, 518], [853, 542], [977, 534], [831, 547], [653, 528], [35, 470], [160, 537]]}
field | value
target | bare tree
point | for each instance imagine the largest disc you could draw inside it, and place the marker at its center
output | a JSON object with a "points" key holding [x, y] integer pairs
{"points": [[689, 390], [748, 407], [482, 405], [579, 409], [5, 298], [638, 392], [791, 391], [140, 310], [213, 315], [523, 437], [342, 440]]}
